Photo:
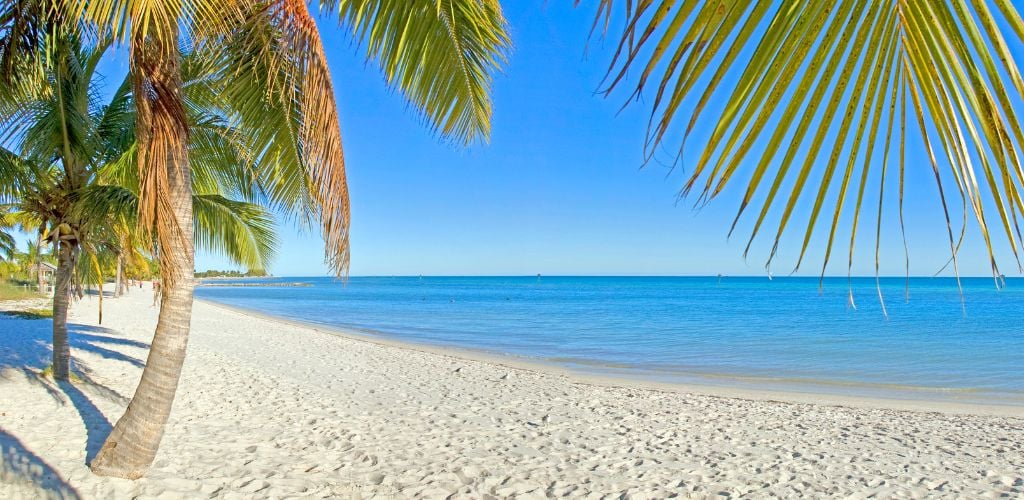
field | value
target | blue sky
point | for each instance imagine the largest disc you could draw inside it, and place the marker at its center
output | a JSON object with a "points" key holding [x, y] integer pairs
{"points": [[559, 189]]}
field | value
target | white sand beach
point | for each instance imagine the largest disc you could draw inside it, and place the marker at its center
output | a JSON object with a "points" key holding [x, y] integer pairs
{"points": [[272, 409]]}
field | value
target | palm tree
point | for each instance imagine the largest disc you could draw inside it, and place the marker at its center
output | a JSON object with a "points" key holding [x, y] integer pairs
{"points": [[818, 94], [271, 76], [50, 123], [36, 255], [89, 203]]}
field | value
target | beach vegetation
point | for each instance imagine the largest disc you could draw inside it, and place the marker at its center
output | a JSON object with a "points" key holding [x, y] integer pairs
{"points": [[36, 313], [13, 290], [212, 273]]}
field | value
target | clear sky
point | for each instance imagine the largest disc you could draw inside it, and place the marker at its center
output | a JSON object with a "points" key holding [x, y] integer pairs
{"points": [[559, 189]]}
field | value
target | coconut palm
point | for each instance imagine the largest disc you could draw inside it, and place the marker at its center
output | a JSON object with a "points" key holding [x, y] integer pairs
{"points": [[809, 100], [49, 124], [271, 76], [35, 254], [67, 179]]}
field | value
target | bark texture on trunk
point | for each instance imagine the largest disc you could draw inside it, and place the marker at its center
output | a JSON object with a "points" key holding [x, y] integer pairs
{"points": [[100, 286], [40, 282], [132, 445], [119, 277], [61, 300]]}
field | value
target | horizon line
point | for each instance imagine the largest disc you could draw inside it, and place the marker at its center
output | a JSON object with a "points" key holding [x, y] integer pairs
{"points": [[774, 277]]}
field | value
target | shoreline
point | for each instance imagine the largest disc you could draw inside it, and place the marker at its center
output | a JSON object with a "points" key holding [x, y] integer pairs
{"points": [[732, 387], [269, 408]]}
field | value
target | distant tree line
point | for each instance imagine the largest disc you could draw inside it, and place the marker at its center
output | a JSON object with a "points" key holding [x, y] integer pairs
{"points": [[213, 273]]}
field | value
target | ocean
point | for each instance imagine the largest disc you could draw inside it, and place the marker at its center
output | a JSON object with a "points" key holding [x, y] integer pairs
{"points": [[781, 334]]}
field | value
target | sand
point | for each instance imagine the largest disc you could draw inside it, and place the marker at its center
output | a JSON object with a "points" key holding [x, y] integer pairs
{"points": [[272, 409]]}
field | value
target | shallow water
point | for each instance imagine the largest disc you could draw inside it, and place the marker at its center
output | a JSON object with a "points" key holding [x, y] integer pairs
{"points": [[783, 333]]}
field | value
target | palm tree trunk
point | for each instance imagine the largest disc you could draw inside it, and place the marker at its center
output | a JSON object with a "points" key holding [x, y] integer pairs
{"points": [[61, 299], [99, 273], [100, 322], [40, 284], [133, 443], [119, 277]]}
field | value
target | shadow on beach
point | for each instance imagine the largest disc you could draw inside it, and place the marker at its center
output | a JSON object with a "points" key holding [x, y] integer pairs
{"points": [[26, 350], [27, 344], [19, 465], [97, 427]]}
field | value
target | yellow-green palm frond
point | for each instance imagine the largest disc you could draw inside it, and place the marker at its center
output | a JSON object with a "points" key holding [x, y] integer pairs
{"points": [[15, 176], [277, 89], [220, 157], [54, 125], [24, 29], [156, 20], [7, 243], [243, 232], [807, 101], [115, 124], [272, 79], [442, 54]]}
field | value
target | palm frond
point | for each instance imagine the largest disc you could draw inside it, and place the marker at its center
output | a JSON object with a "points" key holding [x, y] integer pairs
{"points": [[244, 232], [814, 98], [15, 175], [23, 27], [273, 78], [8, 245], [109, 204], [156, 20], [441, 54]]}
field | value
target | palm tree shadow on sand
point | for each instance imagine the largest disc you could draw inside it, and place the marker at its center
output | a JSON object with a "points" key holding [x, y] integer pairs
{"points": [[26, 350], [97, 427], [19, 465]]}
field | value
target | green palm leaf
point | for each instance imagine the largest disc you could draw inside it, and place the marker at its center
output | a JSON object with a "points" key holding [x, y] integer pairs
{"points": [[7, 243], [241, 231], [817, 95], [440, 53]]}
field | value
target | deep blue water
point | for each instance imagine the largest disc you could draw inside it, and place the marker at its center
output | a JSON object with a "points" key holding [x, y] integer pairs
{"points": [[783, 332]]}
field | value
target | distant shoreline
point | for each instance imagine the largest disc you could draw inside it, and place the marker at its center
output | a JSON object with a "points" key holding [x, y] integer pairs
{"points": [[235, 277], [708, 276]]}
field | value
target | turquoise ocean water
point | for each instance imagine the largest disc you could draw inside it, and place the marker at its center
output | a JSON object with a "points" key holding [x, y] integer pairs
{"points": [[750, 332]]}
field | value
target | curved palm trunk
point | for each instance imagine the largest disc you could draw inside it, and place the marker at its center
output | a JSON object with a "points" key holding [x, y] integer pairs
{"points": [[61, 299], [132, 445]]}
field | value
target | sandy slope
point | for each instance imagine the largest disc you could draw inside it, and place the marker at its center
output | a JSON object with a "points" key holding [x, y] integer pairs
{"points": [[268, 409]]}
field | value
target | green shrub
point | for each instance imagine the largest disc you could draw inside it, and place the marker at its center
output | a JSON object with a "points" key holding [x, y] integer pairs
{"points": [[15, 291]]}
